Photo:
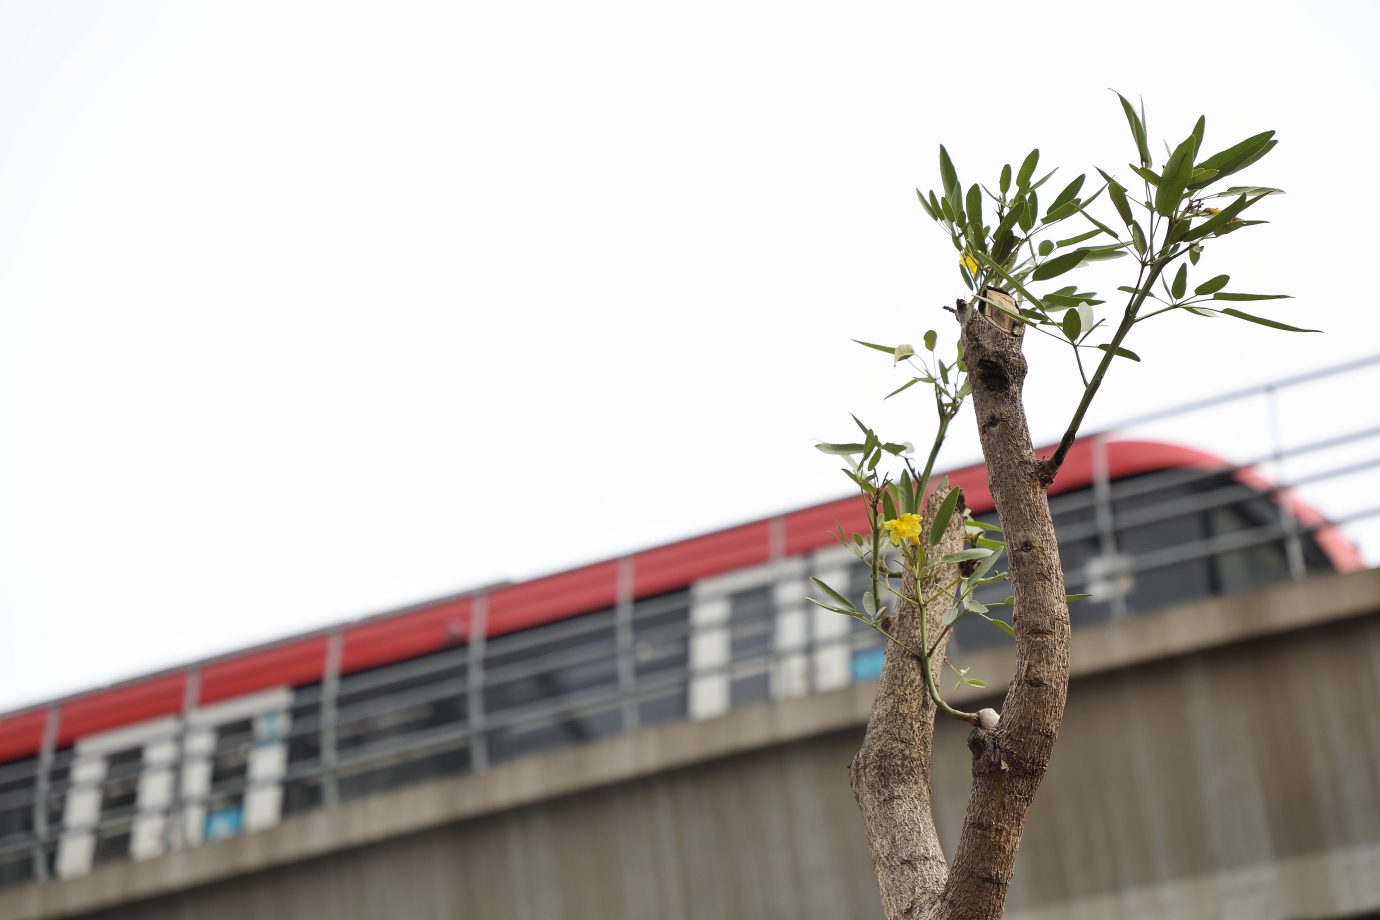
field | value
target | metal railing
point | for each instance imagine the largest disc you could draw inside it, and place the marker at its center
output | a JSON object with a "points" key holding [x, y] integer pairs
{"points": [[640, 662]]}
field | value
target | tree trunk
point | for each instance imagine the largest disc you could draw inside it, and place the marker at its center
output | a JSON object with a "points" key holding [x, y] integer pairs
{"points": [[891, 774]]}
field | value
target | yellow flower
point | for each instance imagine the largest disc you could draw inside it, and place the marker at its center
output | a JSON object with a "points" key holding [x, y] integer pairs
{"points": [[1213, 210], [906, 527], [969, 263]]}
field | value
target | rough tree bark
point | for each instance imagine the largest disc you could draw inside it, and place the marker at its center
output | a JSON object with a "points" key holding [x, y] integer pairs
{"points": [[891, 774]]}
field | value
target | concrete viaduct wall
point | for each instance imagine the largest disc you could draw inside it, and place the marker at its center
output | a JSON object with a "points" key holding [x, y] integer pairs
{"points": [[1220, 759]]}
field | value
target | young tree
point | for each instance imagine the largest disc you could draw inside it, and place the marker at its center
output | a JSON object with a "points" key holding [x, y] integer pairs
{"points": [[923, 578]]}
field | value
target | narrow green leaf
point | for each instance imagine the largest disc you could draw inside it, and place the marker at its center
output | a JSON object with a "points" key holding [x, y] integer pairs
{"points": [[904, 386], [1075, 597], [889, 349], [1180, 286], [930, 338], [869, 605], [942, 516], [1027, 169], [1123, 353], [1005, 178], [1148, 175], [1226, 296], [965, 555], [1238, 156], [888, 507], [1220, 219], [1212, 285], [1068, 194], [981, 525], [975, 216], [833, 595], [926, 205], [950, 615], [1174, 180], [1138, 238], [1079, 238], [852, 612], [1003, 626], [1060, 264], [1028, 213], [1266, 322], [842, 449], [1137, 129], [947, 174], [1083, 209]]}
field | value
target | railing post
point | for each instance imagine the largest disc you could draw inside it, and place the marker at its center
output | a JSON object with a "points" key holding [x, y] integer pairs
{"points": [[1106, 526], [42, 783], [625, 644], [330, 694], [1293, 546], [174, 831], [479, 626]]}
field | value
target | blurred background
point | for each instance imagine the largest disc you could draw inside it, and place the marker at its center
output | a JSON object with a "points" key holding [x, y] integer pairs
{"points": [[310, 312]]}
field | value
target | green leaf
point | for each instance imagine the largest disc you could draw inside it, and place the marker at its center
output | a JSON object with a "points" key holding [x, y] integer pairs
{"points": [[1060, 264], [1047, 177], [888, 507], [1137, 129], [1069, 297], [1148, 175], [1174, 179], [926, 205], [1212, 285], [1046, 247], [906, 386], [870, 605], [981, 525], [900, 353], [1237, 157], [942, 516], [833, 595], [975, 216], [947, 174], [1226, 296], [1027, 169], [930, 338], [1068, 194], [1220, 219], [1077, 239], [950, 615], [852, 612], [1138, 238], [889, 349], [1198, 130], [1027, 215], [967, 554], [1003, 626], [1075, 597], [1005, 178], [1180, 286], [1072, 325], [1123, 353], [1252, 190], [843, 449], [1266, 322], [1009, 602], [1083, 209]]}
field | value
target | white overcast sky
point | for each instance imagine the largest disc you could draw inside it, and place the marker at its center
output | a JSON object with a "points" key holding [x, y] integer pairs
{"points": [[308, 310]]}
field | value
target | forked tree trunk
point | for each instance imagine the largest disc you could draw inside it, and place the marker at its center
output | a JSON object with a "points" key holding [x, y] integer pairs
{"points": [[891, 773]]}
